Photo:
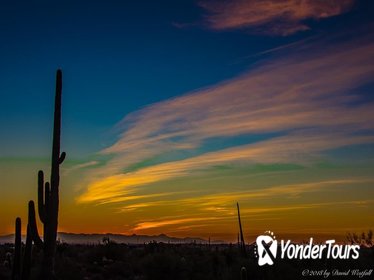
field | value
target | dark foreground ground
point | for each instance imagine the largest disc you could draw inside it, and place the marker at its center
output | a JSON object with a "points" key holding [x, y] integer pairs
{"points": [[168, 261]]}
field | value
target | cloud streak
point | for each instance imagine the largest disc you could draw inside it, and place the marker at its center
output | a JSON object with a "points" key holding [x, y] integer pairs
{"points": [[205, 219], [274, 17], [223, 202], [163, 223], [285, 94], [306, 99], [279, 150]]}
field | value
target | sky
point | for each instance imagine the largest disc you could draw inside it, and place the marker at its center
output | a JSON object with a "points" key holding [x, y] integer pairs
{"points": [[173, 111]]}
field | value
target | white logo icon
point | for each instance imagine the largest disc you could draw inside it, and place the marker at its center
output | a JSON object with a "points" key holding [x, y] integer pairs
{"points": [[266, 248]]}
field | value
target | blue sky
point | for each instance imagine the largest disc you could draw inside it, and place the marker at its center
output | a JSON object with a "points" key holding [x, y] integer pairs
{"points": [[154, 90], [132, 53]]}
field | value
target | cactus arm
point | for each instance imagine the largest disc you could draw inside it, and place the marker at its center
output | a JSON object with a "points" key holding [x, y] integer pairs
{"points": [[16, 271], [32, 227], [62, 157], [41, 198], [47, 198]]}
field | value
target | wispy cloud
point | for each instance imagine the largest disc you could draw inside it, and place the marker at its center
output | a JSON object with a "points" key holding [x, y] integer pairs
{"points": [[206, 219], [294, 92], [76, 167], [306, 99], [163, 223], [282, 17], [223, 202], [290, 148], [306, 206]]}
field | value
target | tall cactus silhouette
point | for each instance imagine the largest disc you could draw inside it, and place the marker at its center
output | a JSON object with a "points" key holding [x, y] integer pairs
{"points": [[21, 268], [48, 205], [26, 265], [48, 194], [242, 243], [16, 270]]}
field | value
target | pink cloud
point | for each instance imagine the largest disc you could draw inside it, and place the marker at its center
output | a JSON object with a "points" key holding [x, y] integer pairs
{"points": [[277, 17]]}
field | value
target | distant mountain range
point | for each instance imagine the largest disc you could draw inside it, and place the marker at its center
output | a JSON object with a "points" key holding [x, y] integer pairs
{"points": [[95, 238]]}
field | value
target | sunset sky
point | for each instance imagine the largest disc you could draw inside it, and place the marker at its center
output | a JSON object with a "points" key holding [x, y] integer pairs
{"points": [[175, 110]]}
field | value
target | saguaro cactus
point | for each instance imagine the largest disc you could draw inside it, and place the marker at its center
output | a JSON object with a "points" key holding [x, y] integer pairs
{"points": [[21, 268], [16, 270], [48, 193], [48, 204], [242, 243], [48, 196]]}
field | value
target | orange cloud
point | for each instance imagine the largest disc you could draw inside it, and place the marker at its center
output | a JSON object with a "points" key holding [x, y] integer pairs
{"points": [[163, 223], [293, 148], [204, 219], [279, 17]]}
